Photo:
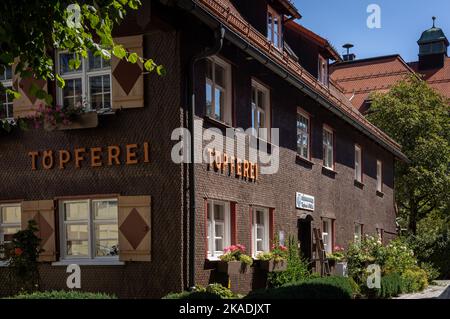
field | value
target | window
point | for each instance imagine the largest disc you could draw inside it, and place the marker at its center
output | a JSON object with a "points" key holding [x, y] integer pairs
{"points": [[219, 232], [260, 110], [260, 230], [328, 148], [380, 235], [323, 71], [10, 222], [274, 31], [6, 100], [358, 232], [218, 90], [327, 235], [303, 131], [88, 86], [358, 163], [379, 176], [89, 229]]}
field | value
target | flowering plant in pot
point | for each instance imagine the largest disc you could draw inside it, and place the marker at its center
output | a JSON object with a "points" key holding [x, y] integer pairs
{"points": [[274, 260], [337, 255], [234, 260]]}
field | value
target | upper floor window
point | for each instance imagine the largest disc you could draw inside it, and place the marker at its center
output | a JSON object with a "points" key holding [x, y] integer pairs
{"points": [[358, 163], [327, 235], [303, 131], [219, 227], [10, 222], [379, 176], [323, 70], [328, 148], [274, 27], [260, 110], [89, 229], [6, 100], [88, 86], [260, 230], [358, 232], [218, 89]]}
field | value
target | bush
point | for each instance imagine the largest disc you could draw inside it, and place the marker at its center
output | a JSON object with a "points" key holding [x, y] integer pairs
{"points": [[317, 288], [63, 295], [296, 270], [399, 257], [432, 272], [414, 280], [212, 291], [391, 286]]}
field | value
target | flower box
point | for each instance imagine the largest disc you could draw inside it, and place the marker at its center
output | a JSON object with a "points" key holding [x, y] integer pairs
{"points": [[341, 269], [232, 267], [85, 120], [272, 266]]}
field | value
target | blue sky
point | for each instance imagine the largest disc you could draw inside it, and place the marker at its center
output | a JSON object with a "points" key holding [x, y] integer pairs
{"points": [[402, 22]]}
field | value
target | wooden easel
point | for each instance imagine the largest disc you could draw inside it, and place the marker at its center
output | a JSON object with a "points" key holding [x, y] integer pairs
{"points": [[321, 253]]}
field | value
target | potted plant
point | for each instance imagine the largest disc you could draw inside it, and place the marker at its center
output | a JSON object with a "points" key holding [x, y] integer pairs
{"points": [[274, 260], [234, 260], [337, 261]]}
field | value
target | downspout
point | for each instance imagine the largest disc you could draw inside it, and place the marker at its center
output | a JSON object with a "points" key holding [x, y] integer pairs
{"points": [[219, 36]]}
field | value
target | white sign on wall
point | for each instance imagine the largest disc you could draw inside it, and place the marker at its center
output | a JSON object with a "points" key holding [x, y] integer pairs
{"points": [[304, 201]]}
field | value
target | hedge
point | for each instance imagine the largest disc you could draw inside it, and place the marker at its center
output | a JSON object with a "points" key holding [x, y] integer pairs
{"points": [[316, 288], [391, 286], [212, 291], [62, 295]]}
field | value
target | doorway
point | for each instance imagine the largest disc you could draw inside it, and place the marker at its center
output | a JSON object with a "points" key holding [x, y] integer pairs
{"points": [[305, 237]]}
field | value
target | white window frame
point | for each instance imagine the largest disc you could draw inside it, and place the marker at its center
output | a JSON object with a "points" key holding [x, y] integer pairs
{"points": [[327, 234], [4, 225], [358, 163], [7, 83], [85, 74], [227, 111], [327, 147], [90, 222], [322, 72], [379, 176], [256, 109], [212, 253], [301, 147], [266, 234], [358, 232], [271, 27]]}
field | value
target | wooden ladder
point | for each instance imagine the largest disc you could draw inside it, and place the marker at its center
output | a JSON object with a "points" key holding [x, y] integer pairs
{"points": [[321, 253]]}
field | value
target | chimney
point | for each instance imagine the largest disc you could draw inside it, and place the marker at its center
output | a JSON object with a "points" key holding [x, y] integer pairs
{"points": [[349, 56]]}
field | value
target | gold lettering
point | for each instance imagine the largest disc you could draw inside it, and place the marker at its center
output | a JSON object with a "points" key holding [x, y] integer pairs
{"points": [[246, 168], [64, 158], [146, 153], [34, 156], [47, 159], [131, 154], [79, 156], [113, 155], [96, 157]]}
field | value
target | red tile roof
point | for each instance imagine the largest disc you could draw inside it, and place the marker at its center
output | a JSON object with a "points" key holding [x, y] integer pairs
{"points": [[439, 79], [224, 11]]}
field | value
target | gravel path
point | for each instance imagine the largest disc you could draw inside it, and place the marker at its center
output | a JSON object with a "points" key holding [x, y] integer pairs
{"points": [[439, 290]]}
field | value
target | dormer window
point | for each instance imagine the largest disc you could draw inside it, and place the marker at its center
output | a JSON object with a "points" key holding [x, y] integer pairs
{"points": [[323, 70], [274, 27]]}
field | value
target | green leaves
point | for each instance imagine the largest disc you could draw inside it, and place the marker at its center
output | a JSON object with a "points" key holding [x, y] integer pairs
{"points": [[119, 51], [133, 57], [60, 81], [161, 70]]}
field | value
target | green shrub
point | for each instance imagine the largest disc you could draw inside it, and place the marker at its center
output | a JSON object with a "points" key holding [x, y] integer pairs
{"points": [[296, 269], [212, 291], [391, 286], [414, 280], [316, 288], [399, 256], [432, 272], [63, 295]]}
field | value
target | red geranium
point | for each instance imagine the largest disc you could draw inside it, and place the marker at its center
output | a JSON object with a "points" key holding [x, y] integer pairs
{"points": [[18, 251]]}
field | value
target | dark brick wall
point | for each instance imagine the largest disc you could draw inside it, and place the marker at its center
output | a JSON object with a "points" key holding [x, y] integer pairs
{"points": [[162, 179], [336, 195]]}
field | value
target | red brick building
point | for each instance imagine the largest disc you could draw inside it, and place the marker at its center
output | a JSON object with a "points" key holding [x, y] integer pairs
{"points": [[357, 78], [107, 195]]}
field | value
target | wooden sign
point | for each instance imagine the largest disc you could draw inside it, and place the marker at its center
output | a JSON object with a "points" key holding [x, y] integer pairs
{"points": [[112, 155]]}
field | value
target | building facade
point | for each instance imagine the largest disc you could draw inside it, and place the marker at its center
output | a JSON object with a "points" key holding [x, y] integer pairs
{"points": [[108, 196]]}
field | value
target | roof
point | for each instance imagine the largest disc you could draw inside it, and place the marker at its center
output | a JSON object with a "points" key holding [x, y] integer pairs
{"points": [[359, 78], [439, 79], [324, 43], [432, 35], [224, 12], [290, 7]]}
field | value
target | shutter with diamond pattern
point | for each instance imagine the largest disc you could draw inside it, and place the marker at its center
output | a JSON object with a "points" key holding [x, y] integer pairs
{"points": [[134, 228], [43, 212], [127, 78], [27, 104]]}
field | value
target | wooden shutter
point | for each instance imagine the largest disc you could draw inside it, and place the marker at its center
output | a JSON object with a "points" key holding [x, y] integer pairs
{"points": [[134, 228], [43, 212], [127, 78], [27, 104]]}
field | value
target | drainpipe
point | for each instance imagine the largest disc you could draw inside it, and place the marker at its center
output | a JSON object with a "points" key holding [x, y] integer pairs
{"points": [[219, 36]]}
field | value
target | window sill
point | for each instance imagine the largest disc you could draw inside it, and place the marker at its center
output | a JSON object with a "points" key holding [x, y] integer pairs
{"points": [[83, 121], [304, 160], [380, 194], [216, 122], [88, 262], [329, 172], [358, 184]]}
